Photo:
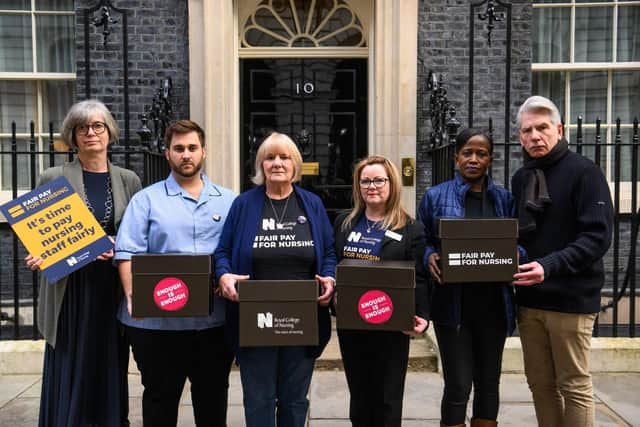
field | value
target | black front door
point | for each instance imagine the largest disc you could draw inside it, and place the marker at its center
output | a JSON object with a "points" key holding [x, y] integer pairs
{"points": [[321, 104]]}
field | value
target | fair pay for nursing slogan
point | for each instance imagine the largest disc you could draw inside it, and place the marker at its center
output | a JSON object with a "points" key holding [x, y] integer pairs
{"points": [[53, 222]]}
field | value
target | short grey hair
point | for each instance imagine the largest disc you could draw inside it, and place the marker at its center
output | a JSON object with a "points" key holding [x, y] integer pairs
{"points": [[537, 103], [80, 113], [273, 142]]}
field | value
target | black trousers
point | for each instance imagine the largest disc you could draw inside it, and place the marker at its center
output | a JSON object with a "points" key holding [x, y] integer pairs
{"points": [[470, 355], [375, 364], [123, 356], [167, 358]]}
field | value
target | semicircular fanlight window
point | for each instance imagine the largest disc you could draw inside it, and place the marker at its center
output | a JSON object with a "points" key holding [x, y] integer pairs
{"points": [[303, 23]]}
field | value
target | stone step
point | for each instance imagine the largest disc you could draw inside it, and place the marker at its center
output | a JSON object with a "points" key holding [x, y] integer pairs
{"points": [[607, 355], [423, 355]]}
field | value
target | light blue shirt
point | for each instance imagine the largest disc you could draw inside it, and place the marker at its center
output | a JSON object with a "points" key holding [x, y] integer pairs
{"points": [[163, 218]]}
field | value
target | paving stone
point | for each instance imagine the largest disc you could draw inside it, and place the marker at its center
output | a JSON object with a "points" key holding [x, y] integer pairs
{"points": [[514, 388], [135, 387], [135, 411], [235, 389], [620, 393], [618, 403], [34, 390], [422, 395], [22, 412], [235, 416], [14, 385], [606, 418], [329, 396], [517, 414]]}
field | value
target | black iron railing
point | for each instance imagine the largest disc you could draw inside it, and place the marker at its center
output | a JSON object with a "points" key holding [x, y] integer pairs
{"points": [[618, 160], [19, 285]]}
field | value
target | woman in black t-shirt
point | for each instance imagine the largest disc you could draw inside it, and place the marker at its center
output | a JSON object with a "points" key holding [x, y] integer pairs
{"points": [[379, 229], [276, 231]]}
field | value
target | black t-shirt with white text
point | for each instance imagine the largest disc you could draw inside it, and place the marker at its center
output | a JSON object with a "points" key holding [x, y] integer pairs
{"points": [[283, 247]]}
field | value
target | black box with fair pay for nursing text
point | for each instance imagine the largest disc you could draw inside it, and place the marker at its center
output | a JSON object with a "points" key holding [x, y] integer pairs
{"points": [[478, 250]]}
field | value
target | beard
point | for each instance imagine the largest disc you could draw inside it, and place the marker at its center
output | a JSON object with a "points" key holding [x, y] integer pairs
{"points": [[179, 169]]}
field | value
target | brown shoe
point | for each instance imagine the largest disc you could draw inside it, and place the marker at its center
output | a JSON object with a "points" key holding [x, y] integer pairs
{"points": [[477, 422], [447, 425]]}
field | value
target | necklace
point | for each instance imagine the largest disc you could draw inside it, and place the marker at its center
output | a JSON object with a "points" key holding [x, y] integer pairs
{"points": [[371, 224], [108, 205], [284, 211]]}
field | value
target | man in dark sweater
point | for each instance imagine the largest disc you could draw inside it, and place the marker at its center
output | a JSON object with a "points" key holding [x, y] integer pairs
{"points": [[566, 215]]}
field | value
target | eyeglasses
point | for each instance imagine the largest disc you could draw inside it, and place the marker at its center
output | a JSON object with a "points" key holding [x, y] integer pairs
{"points": [[377, 182], [98, 128]]}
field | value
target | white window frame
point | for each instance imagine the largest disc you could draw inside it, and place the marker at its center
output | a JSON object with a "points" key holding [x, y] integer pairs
{"points": [[607, 123], [41, 129]]}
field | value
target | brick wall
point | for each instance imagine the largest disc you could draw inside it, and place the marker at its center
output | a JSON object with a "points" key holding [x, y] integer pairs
{"points": [[158, 48], [443, 47]]}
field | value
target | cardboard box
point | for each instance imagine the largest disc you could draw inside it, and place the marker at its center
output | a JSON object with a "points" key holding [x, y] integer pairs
{"points": [[375, 295], [171, 285], [478, 250], [278, 312]]}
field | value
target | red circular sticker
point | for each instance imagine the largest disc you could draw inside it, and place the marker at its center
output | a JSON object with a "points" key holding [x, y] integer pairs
{"points": [[171, 294], [375, 307]]}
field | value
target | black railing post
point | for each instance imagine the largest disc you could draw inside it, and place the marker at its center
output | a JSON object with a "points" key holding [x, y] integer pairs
{"points": [[452, 126], [34, 275], [14, 194], [52, 157], [598, 149], [635, 220], [579, 136], [616, 224]]}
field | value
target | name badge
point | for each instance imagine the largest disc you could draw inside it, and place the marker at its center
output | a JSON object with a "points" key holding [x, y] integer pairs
{"points": [[393, 235]]}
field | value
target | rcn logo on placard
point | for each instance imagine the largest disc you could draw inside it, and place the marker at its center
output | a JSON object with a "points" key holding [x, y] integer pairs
{"points": [[455, 258], [268, 224], [354, 236], [72, 261], [265, 320]]}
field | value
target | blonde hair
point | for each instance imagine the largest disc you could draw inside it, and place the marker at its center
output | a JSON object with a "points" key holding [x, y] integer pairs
{"points": [[277, 143], [395, 215], [80, 113]]}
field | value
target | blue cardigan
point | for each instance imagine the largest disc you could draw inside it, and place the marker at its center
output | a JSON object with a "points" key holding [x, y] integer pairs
{"points": [[235, 250], [446, 200]]}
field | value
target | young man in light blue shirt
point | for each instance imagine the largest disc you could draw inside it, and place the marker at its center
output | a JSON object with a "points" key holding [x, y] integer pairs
{"points": [[182, 214]]}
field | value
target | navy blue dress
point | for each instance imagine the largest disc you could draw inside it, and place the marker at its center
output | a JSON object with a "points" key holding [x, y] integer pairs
{"points": [[84, 377]]}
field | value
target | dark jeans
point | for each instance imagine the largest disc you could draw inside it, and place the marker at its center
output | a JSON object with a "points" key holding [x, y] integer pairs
{"points": [[167, 358], [375, 364], [275, 383], [471, 354]]}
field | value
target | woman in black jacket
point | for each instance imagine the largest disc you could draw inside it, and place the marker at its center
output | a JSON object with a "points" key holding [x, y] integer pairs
{"points": [[375, 362]]}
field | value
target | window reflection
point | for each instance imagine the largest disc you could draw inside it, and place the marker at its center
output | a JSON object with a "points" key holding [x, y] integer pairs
{"points": [[15, 43], [628, 33], [593, 34], [589, 95], [551, 35]]}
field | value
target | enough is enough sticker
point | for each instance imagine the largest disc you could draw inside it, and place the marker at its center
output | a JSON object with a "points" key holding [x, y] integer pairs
{"points": [[375, 307]]}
